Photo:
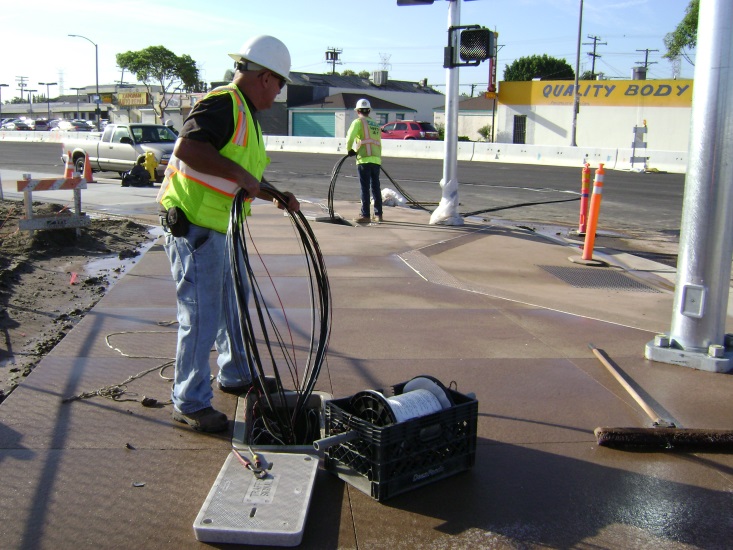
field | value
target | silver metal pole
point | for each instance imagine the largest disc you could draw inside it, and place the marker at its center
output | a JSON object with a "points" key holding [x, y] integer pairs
{"points": [[576, 100], [697, 338], [447, 211]]}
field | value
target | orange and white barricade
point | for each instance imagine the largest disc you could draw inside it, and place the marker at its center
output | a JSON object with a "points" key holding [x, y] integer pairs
{"points": [[60, 221]]}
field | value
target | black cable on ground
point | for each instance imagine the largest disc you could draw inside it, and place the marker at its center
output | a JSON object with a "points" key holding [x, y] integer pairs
{"points": [[332, 186], [408, 198], [281, 420], [496, 209], [412, 202]]}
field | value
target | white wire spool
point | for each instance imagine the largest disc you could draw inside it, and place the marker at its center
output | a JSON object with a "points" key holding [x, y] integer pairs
{"points": [[413, 404]]}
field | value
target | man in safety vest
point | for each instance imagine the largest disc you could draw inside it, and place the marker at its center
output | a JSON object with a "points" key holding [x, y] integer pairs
{"points": [[364, 140], [220, 149]]}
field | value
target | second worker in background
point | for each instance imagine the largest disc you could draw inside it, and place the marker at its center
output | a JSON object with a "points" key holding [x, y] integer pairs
{"points": [[364, 140]]}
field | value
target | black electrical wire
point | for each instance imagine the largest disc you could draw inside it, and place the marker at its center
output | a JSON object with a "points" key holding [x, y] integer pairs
{"points": [[332, 186], [408, 198], [417, 204], [279, 420], [519, 205]]}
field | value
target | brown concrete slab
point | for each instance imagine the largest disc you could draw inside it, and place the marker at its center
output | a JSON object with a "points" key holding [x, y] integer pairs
{"points": [[556, 496], [463, 304]]}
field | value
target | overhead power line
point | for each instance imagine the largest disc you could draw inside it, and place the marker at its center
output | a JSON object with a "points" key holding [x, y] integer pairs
{"points": [[594, 55]]}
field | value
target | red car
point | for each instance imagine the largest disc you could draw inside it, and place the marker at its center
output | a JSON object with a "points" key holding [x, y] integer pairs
{"points": [[409, 129]]}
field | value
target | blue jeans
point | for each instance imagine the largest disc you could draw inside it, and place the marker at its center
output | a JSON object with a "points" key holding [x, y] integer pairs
{"points": [[200, 266], [369, 179]]}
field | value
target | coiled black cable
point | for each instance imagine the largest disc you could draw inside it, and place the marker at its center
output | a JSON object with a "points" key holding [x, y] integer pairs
{"points": [[279, 419], [332, 186]]}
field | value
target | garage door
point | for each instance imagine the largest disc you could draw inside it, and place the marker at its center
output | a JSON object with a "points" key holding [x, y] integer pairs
{"points": [[314, 124]]}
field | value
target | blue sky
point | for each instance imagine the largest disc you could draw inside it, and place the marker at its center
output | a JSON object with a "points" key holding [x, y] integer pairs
{"points": [[408, 41]]}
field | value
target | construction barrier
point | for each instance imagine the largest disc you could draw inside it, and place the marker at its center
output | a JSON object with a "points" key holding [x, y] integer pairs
{"points": [[595, 209], [88, 174], [60, 221], [584, 194]]}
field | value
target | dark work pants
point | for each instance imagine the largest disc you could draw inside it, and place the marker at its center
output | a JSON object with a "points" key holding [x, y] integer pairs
{"points": [[369, 179]]}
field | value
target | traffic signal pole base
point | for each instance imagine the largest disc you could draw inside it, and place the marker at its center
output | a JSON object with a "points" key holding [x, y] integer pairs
{"points": [[664, 350]]}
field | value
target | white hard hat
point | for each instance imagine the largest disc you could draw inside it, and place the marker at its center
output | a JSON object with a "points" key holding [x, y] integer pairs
{"points": [[268, 52], [362, 104]]}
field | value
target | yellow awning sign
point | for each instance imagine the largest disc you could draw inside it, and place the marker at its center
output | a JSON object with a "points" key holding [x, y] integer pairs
{"points": [[610, 93]]}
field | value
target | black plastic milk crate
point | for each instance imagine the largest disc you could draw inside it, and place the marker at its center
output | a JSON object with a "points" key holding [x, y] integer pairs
{"points": [[386, 461]]}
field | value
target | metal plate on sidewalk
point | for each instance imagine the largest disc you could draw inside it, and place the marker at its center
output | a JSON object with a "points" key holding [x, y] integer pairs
{"points": [[244, 509], [590, 277]]}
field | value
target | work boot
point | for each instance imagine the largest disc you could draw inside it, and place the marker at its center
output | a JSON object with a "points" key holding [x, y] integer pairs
{"points": [[378, 219], [270, 387], [206, 420], [363, 219]]}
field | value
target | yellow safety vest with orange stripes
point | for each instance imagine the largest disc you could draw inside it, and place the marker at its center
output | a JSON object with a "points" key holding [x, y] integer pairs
{"points": [[207, 199], [367, 136]]}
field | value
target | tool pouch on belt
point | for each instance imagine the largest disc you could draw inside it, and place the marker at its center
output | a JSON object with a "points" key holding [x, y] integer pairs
{"points": [[175, 221]]}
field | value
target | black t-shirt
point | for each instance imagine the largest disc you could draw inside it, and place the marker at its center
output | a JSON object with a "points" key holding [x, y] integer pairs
{"points": [[211, 120]]}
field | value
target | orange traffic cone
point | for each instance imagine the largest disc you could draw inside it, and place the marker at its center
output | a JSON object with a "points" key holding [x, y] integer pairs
{"points": [[88, 170], [69, 172]]}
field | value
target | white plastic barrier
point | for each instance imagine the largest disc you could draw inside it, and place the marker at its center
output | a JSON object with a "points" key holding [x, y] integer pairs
{"points": [[618, 159], [543, 154], [54, 136], [663, 161]]}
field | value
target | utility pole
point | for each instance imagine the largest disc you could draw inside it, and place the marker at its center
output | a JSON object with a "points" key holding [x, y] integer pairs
{"points": [[21, 80], [595, 44], [332, 56], [646, 61]]}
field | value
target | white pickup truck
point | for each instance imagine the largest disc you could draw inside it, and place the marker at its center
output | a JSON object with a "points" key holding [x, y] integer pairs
{"points": [[120, 147]]}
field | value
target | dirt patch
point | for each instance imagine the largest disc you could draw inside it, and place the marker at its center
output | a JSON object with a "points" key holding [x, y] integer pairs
{"points": [[46, 286]]}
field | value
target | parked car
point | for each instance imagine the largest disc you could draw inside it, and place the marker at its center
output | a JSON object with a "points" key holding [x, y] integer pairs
{"points": [[41, 125], [409, 129], [74, 126], [17, 124], [89, 123]]}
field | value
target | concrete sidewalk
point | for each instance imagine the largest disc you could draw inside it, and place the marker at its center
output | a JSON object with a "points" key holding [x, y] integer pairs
{"points": [[500, 311]]}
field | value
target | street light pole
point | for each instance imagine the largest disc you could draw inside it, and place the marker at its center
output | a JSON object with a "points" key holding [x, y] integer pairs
{"points": [[1, 99], [77, 100], [576, 95], [48, 95], [96, 72], [30, 99]]}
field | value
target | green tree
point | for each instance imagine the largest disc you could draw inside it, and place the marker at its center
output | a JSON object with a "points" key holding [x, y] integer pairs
{"points": [[542, 66], [685, 35], [485, 132], [586, 75], [157, 65]]}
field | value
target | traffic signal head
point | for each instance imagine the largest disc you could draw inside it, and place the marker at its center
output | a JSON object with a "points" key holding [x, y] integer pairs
{"points": [[476, 44], [469, 46]]}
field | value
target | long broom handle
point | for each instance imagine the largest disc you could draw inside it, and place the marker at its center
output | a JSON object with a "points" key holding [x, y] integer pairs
{"points": [[643, 404]]}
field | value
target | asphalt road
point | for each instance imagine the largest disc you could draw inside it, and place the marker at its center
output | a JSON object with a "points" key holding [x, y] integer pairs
{"points": [[641, 206]]}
